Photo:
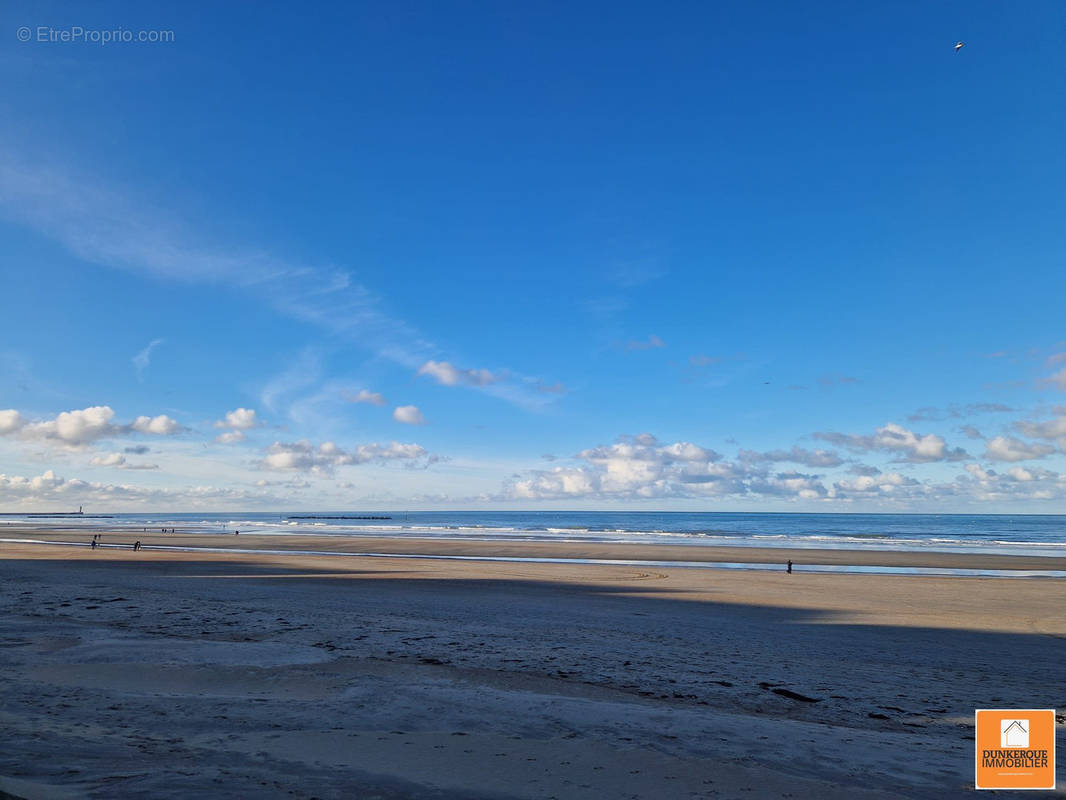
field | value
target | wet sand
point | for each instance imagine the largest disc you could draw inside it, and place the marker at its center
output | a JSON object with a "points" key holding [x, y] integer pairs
{"points": [[576, 550], [169, 673]]}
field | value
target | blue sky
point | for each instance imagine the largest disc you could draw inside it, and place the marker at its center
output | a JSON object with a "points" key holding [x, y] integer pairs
{"points": [[745, 256]]}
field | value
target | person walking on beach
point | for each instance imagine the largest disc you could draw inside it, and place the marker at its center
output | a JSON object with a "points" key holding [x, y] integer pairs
{"points": [[790, 566], [93, 543], [137, 545]]}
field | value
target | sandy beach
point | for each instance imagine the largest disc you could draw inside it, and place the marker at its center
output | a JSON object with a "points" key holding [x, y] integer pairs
{"points": [[182, 673]]}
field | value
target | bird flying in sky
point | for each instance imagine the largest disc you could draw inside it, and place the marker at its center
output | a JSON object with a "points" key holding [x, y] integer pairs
{"points": [[959, 46]]}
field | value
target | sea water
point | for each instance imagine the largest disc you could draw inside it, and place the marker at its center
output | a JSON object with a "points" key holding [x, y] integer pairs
{"points": [[1021, 534]]}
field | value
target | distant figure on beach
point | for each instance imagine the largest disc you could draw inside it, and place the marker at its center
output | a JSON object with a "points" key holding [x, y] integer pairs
{"points": [[93, 543], [790, 566], [236, 533], [137, 545]]}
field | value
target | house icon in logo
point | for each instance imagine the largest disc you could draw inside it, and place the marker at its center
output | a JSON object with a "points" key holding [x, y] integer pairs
{"points": [[1014, 733]]}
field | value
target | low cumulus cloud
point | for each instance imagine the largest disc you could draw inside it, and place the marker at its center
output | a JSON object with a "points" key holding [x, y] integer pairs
{"points": [[447, 374], [881, 483], [1051, 430], [158, 426], [118, 461], [237, 422], [239, 419], [864, 469], [636, 467], [408, 415], [81, 427], [633, 467], [325, 458], [52, 491], [1017, 483], [641, 467], [907, 445], [1008, 448], [10, 421], [797, 455]]}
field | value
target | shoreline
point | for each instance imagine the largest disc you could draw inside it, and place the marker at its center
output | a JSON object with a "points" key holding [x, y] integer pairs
{"points": [[570, 550]]}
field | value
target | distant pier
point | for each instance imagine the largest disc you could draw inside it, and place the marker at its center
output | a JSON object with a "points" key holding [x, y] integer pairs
{"points": [[314, 516]]}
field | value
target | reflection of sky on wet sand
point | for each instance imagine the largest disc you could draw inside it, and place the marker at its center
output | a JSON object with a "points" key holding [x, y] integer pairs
{"points": [[731, 565]]}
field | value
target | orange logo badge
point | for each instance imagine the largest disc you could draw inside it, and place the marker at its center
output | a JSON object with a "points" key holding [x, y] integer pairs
{"points": [[1015, 749]]}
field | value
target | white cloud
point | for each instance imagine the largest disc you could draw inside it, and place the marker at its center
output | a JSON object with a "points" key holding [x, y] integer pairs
{"points": [[641, 467], [118, 461], [1017, 484], [239, 419], [323, 459], [366, 396], [1053, 429], [50, 491], [230, 437], [634, 467], [798, 455], [409, 415], [880, 484], [290, 483], [10, 421], [110, 460], [144, 358], [80, 427], [75, 428], [1008, 448], [911, 447], [447, 374], [159, 426]]}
